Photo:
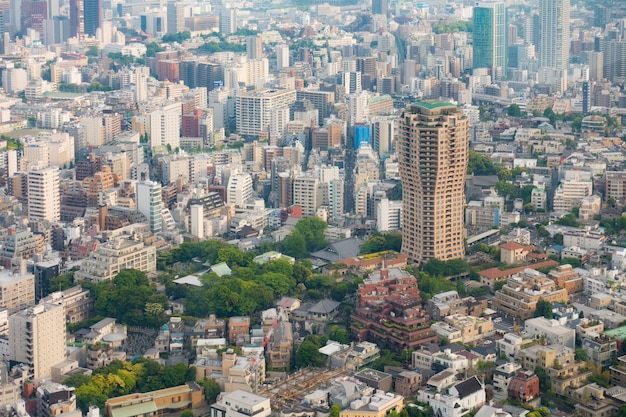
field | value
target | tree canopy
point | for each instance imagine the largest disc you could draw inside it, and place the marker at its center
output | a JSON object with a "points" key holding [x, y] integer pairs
{"points": [[380, 242], [308, 236], [544, 309]]}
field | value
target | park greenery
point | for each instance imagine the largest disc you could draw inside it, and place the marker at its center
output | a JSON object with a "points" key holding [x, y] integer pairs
{"points": [[13, 144], [381, 242], [453, 27], [122, 378], [179, 37]]}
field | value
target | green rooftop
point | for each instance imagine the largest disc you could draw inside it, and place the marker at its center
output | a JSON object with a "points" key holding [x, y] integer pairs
{"points": [[434, 104], [617, 333]]}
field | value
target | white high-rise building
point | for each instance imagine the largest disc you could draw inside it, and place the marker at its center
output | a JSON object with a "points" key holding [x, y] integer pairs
{"points": [[253, 109], [239, 190], [164, 129], [228, 21], [279, 120], [140, 80], [257, 69], [44, 199], [150, 203], [37, 338], [352, 82], [308, 193], [197, 220], [335, 198], [389, 215], [554, 40], [359, 109], [282, 57], [14, 80]]}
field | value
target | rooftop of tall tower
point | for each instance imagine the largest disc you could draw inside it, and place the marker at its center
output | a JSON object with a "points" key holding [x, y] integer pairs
{"points": [[434, 104]]}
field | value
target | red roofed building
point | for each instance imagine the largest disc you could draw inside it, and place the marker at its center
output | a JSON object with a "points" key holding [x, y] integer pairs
{"points": [[492, 275], [389, 312], [512, 253], [524, 386]]}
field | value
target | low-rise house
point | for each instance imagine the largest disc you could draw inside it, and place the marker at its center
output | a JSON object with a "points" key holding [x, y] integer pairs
{"points": [[552, 330], [503, 375], [524, 386], [601, 349], [406, 383], [464, 397], [441, 380], [241, 403]]}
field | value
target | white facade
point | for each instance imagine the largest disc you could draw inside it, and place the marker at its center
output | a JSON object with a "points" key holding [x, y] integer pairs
{"points": [[555, 38], [455, 403], [240, 403], [44, 199], [282, 57], [569, 193], [239, 190], [37, 338], [197, 220], [164, 129], [552, 330], [149, 203], [307, 193], [389, 215], [253, 109]]}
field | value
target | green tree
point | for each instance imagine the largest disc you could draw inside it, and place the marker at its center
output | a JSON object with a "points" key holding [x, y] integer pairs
{"points": [[480, 165], [62, 282], [187, 413], [581, 355], [308, 355], [514, 110], [211, 390], [544, 308], [334, 411], [339, 335]]}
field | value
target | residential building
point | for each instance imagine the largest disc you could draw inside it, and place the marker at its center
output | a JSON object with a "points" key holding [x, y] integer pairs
{"points": [[504, 374], [552, 330], [308, 193], [123, 252], [17, 288], [554, 43], [618, 372], [44, 197], [149, 203], [601, 349], [54, 399], [164, 129], [380, 404], [239, 191], [76, 301], [37, 338], [512, 253], [459, 400], [175, 399], [253, 109], [616, 185], [519, 296], [567, 277], [388, 312], [433, 194], [524, 386], [239, 330], [241, 404]]}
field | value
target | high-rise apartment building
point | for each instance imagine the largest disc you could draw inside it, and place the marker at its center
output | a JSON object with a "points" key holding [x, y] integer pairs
{"points": [[433, 150], [164, 129], [490, 36], [253, 109], [37, 338], [150, 203], [239, 190], [308, 192], [282, 56], [554, 39], [254, 47], [44, 199]]}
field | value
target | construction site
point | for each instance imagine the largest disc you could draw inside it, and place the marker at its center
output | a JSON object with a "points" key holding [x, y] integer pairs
{"points": [[290, 391]]}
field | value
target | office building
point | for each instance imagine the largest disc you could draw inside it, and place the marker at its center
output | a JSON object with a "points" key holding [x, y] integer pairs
{"points": [[37, 338], [228, 21], [149, 203], [253, 109], [77, 18], [34, 14], [17, 288], [352, 82], [432, 150], [44, 199], [175, 17], [554, 42], [92, 16], [380, 7], [490, 36]]}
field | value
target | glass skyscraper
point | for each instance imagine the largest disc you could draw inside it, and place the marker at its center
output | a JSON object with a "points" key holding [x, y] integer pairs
{"points": [[490, 36]]}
